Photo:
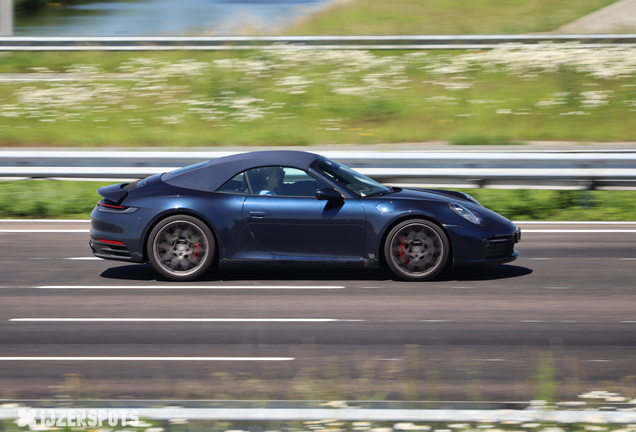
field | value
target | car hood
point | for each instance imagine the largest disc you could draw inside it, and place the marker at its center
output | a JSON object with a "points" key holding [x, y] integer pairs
{"points": [[430, 195], [447, 196]]}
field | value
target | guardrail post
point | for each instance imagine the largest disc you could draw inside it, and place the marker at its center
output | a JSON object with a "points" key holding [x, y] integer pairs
{"points": [[6, 17]]}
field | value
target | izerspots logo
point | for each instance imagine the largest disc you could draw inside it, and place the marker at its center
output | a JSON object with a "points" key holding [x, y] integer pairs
{"points": [[69, 417]]}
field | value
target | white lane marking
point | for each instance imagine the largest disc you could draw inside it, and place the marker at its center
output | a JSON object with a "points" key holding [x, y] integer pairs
{"points": [[44, 231], [627, 259], [146, 358], [43, 258], [435, 320], [556, 288], [540, 259], [569, 321], [463, 287], [628, 322], [174, 319], [515, 222], [575, 222], [181, 287], [489, 360], [45, 220], [576, 231], [598, 361]]}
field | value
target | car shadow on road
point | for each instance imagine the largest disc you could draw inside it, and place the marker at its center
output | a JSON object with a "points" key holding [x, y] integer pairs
{"points": [[145, 272], [505, 271]]}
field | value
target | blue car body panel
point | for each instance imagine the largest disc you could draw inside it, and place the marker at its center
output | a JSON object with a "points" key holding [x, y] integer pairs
{"points": [[284, 228]]}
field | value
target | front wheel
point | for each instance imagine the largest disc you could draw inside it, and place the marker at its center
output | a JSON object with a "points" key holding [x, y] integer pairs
{"points": [[416, 250], [181, 248]]}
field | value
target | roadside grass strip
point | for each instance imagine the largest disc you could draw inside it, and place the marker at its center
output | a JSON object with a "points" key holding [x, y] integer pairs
{"points": [[293, 96]]}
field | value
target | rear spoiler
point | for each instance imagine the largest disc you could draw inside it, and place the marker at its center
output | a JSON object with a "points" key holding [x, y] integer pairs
{"points": [[113, 193]]}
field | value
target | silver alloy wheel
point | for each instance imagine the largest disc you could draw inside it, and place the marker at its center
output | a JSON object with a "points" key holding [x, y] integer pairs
{"points": [[416, 250], [181, 248]]}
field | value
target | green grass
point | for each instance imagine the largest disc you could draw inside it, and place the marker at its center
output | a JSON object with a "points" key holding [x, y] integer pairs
{"points": [[408, 17], [33, 199], [75, 200], [319, 97]]}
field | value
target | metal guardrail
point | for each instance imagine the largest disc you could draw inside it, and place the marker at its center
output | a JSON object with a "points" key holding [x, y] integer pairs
{"points": [[511, 169], [21, 43], [384, 411], [349, 414]]}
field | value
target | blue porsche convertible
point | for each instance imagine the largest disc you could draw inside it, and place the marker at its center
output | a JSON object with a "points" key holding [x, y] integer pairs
{"points": [[289, 206]]}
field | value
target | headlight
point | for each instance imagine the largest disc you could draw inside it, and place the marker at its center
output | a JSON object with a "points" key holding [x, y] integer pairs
{"points": [[465, 213]]}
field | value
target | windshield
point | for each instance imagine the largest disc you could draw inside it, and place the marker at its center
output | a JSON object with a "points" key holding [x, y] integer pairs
{"points": [[354, 181]]}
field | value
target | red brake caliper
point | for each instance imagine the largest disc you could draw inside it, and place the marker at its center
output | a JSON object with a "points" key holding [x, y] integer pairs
{"points": [[197, 245], [403, 255]]}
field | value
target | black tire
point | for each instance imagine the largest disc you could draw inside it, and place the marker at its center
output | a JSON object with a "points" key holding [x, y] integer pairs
{"points": [[181, 248], [416, 250]]}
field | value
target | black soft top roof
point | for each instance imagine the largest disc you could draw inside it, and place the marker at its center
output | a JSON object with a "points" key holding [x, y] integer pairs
{"points": [[210, 176]]}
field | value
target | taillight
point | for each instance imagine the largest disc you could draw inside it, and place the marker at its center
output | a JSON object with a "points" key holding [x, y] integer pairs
{"points": [[110, 205]]}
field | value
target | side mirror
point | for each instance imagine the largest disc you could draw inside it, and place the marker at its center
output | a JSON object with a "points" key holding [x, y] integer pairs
{"points": [[327, 193]]}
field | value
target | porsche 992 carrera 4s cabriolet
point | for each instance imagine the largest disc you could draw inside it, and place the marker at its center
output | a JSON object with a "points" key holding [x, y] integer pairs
{"points": [[289, 206]]}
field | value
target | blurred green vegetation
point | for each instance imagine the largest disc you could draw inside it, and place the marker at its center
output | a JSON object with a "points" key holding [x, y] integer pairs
{"points": [[35, 199], [75, 200], [567, 205], [320, 97], [410, 17]]}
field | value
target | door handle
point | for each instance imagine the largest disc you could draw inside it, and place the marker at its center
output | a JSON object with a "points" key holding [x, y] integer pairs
{"points": [[258, 214]]}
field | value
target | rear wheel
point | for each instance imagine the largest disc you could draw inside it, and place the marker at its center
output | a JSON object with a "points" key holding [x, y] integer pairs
{"points": [[416, 250], [181, 248]]}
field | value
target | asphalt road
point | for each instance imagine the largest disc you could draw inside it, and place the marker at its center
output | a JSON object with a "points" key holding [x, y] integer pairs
{"points": [[559, 319]]}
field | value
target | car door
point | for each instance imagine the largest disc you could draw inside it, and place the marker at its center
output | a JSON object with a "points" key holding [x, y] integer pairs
{"points": [[289, 221]]}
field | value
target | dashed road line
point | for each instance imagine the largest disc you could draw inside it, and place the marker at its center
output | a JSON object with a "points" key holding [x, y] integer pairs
{"points": [[147, 358], [574, 223], [578, 231], [85, 259], [44, 231], [186, 287], [188, 320], [46, 220]]}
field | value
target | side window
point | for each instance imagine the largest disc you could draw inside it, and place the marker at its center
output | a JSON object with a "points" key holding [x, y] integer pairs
{"points": [[236, 185], [283, 181]]}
